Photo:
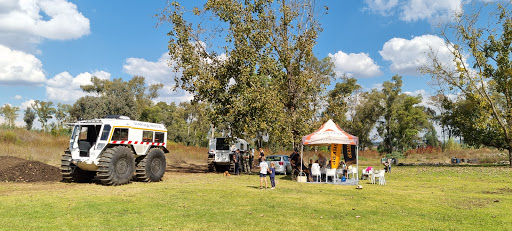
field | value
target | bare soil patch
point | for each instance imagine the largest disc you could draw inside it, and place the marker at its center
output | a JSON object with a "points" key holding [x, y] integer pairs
{"points": [[187, 168], [14, 169]]}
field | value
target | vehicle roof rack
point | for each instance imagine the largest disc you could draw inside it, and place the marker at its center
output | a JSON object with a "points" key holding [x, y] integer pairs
{"points": [[121, 117]]}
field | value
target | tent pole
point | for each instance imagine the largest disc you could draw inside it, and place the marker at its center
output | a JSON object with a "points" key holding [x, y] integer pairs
{"points": [[357, 163], [301, 155]]}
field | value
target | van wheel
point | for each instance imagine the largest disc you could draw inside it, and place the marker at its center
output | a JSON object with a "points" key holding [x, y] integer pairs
{"points": [[116, 166], [72, 173], [152, 166]]}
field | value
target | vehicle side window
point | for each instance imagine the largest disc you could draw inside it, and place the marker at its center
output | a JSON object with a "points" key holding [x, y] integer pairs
{"points": [[106, 132], [120, 134], [147, 136], [159, 137], [285, 158], [83, 133]]}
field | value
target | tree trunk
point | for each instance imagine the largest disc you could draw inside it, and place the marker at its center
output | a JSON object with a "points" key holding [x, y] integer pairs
{"points": [[510, 153]]}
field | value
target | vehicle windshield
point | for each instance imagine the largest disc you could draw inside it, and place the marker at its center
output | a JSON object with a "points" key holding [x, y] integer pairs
{"points": [[221, 144], [274, 158]]}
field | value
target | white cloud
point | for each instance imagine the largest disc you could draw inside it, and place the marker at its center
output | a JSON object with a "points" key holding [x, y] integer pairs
{"points": [[18, 67], [26, 104], [407, 56], [66, 89], [161, 71], [33, 20], [355, 65], [432, 11], [382, 7], [18, 97]]}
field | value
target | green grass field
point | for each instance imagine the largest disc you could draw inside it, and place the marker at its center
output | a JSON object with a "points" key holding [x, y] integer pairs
{"points": [[415, 198]]}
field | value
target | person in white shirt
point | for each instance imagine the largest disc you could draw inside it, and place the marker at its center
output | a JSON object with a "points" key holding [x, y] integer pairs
{"points": [[263, 172]]}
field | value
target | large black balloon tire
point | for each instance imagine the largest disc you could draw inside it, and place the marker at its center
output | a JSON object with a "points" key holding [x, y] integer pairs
{"points": [[116, 166], [71, 173], [151, 167]]}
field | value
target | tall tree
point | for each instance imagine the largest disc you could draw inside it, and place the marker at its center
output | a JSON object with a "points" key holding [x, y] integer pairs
{"points": [[265, 80], [29, 117], [391, 90], [116, 97], [44, 111], [402, 120], [367, 113], [488, 81], [337, 98], [10, 114], [62, 113]]}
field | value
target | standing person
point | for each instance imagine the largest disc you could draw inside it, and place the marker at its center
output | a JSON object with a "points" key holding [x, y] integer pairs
{"points": [[272, 175], [263, 172], [262, 155], [241, 162], [236, 157], [344, 168], [251, 159], [245, 158], [322, 160]]}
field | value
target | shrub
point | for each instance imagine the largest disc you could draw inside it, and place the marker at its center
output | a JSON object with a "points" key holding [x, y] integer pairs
{"points": [[397, 155], [9, 136]]}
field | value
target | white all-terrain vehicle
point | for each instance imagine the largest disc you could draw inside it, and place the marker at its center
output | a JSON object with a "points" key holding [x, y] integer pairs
{"points": [[220, 156], [115, 150]]}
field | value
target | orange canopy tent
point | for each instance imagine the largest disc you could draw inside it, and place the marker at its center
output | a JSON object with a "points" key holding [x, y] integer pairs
{"points": [[330, 134]]}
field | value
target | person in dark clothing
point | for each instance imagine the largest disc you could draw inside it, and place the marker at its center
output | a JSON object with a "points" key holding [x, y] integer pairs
{"points": [[236, 158], [261, 156], [295, 161]]}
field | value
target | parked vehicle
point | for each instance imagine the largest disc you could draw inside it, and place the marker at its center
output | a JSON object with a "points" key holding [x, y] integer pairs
{"points": [[115, 150], [281, 162], [220, 156]]}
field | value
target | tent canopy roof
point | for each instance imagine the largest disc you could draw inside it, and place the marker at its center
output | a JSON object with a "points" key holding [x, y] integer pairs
{"points": [[328, 134]]}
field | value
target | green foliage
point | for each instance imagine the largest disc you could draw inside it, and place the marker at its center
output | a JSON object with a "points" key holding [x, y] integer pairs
{"points": [[29, 117], [267, 81], [402, 118], [337, 100], [452, 145], [62, 113], [367, 113], [398, 155], [44, 111], [487, 79], [115, 97], [190, 124], [10, 114], [9, 136]]}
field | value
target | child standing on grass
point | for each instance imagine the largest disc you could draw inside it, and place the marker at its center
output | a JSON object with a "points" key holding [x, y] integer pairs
{"points": [[273, 175], [263, 172]]}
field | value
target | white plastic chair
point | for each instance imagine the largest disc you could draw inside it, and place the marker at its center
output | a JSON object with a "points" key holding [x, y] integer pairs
{"points": [[315, 171], [339, 173], [367, 174], [352, 171], [380, 175], [330, 172]]}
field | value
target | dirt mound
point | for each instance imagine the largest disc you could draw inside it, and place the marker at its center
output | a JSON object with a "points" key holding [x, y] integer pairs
{"points": [[14, 169]]}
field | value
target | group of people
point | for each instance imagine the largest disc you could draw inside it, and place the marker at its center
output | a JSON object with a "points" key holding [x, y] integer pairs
{"points": [[243, 161], [267, 170], [387, 164]]}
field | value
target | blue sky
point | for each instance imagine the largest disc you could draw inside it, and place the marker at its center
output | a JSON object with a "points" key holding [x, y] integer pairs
{"points": [[49, 47]]}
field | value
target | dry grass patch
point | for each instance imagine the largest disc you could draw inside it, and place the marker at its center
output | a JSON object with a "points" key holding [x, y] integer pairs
{"points": [[32, 145]]}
